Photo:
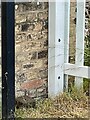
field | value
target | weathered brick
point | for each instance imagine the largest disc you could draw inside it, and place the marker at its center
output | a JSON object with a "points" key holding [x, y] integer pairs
{"points": [[20, 93], [46, 43], [42, 15], [29, 37], [20, 77], [31, 17], [33, 84], [45, 24], [18, 48], [45, 62], [31, 75], [38, 27], [25, 27], [20, 58], [28, 66], [40, 90], [21, 8], [17, 28], [43, 73], [21, 37], [34, 55], [42, 54], [31, 27], [20, 18]]}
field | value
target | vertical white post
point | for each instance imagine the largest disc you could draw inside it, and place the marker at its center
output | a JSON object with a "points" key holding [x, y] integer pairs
{"points": [[80, 26], [66, 39], [56, 47]]}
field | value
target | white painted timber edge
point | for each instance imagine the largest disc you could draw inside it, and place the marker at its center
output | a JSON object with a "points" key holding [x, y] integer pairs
{"points": [[75, 70], [66, 39], [56, 48], [80, 27]]}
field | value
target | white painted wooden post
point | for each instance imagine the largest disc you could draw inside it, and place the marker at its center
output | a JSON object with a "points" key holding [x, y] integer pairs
{"points": [[80, 26], [56, 47], [66, 39]]}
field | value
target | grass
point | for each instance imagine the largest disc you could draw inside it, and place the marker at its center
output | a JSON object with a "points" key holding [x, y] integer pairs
{"points": [[66, 105]]}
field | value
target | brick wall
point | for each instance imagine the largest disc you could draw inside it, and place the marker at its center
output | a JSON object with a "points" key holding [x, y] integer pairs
{"points": [[31, 37]]}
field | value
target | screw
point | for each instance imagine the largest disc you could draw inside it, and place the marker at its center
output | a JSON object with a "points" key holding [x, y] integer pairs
{"points": [[59, 40]]}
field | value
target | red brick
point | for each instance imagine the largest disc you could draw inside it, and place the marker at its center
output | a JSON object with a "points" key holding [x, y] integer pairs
{"points": [[33, 84]]}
